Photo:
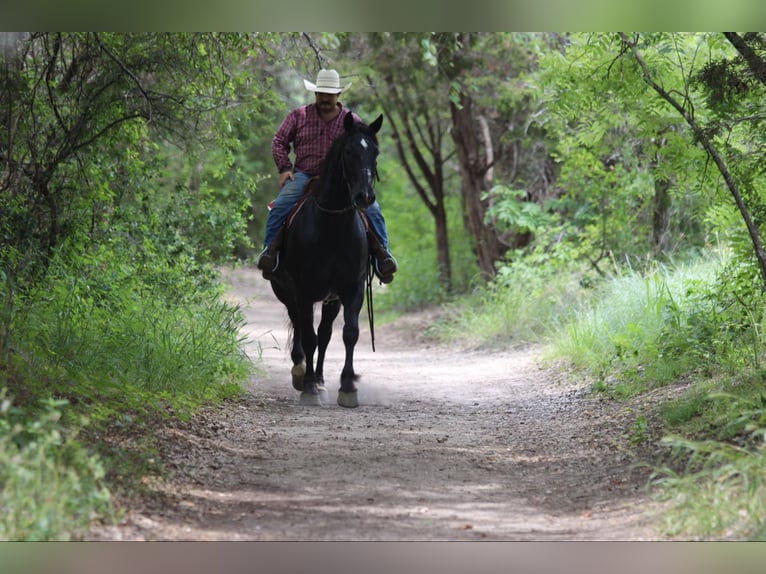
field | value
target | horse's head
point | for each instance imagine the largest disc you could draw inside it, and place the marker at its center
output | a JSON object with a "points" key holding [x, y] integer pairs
{"points": [[360, 153]]}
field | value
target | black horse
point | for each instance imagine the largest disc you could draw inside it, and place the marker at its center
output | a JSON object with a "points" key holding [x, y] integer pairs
{"points": [[325, 258]]}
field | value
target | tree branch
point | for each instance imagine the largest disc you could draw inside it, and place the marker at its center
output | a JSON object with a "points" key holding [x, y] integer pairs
{"points": [[754, 62], [127, 71]]}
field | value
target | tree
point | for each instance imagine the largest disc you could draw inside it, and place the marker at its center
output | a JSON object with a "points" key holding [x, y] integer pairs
{"points": [[85, 119], [490, 109], [451, 99], [407, 88], [82, 112], [629, 183], [722, 132]]}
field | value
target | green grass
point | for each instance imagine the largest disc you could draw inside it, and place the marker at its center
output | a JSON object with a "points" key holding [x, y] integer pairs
{"points": [[720, 495], [103, 350], [520, 306], [714, 475], [115, 347], [639, 331]]}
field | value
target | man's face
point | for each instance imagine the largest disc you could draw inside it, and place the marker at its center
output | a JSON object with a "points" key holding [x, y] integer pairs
{"points": [[326, 102]]}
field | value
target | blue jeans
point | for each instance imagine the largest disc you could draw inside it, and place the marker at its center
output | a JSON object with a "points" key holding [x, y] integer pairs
{"points": [[290, 194]]}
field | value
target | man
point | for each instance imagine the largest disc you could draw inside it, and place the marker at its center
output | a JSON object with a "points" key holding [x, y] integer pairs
{"points": [[310, 130]]}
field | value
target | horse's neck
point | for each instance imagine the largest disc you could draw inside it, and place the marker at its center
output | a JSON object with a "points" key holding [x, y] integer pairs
{"points": [[331, 191]]}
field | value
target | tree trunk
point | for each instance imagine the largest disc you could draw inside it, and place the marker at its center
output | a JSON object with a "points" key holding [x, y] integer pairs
{"points": [[661, 203], [473, 169], [444, 266], [661, 214]]}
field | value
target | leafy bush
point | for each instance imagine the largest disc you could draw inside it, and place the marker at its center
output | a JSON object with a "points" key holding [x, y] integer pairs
{"points": [[51, 487]]}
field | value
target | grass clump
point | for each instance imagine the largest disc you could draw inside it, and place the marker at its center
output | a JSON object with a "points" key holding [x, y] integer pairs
{"points": [[640, 331], [521, 305], [715, 475], [111, 341]]}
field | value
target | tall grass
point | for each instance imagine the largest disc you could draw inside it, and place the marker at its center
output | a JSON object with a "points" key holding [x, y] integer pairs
{"points": [[643, 329], [521, 305], [720, 494], [106, 338], [124, 343]]}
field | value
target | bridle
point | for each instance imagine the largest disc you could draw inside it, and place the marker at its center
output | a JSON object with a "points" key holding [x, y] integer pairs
{"points": [[351, 207]]}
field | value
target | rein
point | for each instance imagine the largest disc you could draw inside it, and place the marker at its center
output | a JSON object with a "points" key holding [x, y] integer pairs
{"points": [[370, 313], [370, 273], [346, 209]]}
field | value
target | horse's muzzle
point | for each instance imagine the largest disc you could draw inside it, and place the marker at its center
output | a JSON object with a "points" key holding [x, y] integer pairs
{"points": [[364, 198]]}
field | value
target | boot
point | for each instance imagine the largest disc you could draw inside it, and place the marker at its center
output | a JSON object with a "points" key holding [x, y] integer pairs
{"points": [[384, 263], [268, 260]]}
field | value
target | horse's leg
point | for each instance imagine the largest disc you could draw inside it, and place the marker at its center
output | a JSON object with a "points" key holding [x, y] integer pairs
{"points": [[347, 394], [310, 393], [298, 371], [285, 292], [330, 310]]}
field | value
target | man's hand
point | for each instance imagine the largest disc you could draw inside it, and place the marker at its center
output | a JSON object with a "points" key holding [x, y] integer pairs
{"points": [[284, 176]]}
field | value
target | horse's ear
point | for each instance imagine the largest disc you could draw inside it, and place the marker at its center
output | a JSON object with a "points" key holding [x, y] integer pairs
{"points": [[375, 126], [348, 121]]}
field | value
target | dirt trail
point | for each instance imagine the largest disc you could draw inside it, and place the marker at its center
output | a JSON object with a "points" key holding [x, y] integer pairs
{"points": [[448, 444]]}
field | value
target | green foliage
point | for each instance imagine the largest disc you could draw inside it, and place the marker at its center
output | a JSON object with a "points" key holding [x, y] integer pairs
{"points": [[508, 212], [82, 108], [715, 483], [110, 335], [725, 499], [51, 487], [631, 182]]}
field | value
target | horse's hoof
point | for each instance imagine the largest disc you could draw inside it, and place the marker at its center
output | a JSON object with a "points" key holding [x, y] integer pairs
{"points": [[348, 400], [298, 372], [311, 400]]}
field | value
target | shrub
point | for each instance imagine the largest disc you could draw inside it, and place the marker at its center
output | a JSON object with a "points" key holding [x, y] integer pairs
{"points": [[51, 487]]}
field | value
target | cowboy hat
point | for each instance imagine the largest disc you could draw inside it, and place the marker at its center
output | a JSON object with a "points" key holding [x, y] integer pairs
{"points": [[328, 82]]}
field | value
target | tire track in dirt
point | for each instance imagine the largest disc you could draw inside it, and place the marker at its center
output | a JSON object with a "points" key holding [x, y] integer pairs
{"points": [[447, 444]]}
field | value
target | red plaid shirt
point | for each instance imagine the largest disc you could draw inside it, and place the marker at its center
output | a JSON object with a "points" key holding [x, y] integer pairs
{"points": [[310, 137]]}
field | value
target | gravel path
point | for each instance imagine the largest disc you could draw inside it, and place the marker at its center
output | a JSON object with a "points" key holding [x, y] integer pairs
{"points": [[447, 444]]}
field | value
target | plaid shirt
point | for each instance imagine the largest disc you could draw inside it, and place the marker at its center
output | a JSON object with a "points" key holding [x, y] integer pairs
{"points": [[310, 137]]}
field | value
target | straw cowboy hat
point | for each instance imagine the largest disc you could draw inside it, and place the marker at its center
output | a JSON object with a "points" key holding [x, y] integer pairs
{"points": [[328, 82]]}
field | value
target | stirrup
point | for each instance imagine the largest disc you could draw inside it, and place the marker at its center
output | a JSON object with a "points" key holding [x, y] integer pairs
{"points": [[267, 263], [389, 267]]}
